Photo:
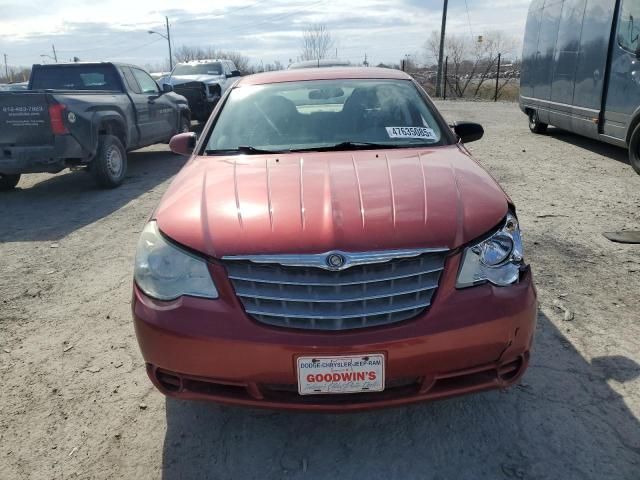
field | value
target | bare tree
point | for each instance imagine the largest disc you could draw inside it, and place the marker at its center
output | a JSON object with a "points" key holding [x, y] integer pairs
{"points": [[456, 49], [488, 50], [188, 53], [471, 62], [16, 74], [317, 42]]}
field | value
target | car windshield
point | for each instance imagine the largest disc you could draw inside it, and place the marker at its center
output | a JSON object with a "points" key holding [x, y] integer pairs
{"points": [[309, 115], [214, 68]]}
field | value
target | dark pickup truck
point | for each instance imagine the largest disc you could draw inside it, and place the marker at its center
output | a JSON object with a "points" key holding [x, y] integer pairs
{"points": [[85, 115]]}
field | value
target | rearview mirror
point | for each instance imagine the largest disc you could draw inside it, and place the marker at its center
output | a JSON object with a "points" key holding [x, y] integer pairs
{"points": [[166, 88], [468, 131], [234, 73], [183, 143]]}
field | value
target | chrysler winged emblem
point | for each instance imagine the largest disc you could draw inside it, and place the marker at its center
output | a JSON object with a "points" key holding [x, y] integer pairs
{"points": [[335, 261]]}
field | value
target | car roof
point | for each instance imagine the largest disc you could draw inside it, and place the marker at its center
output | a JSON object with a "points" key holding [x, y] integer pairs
{"points": [[85, 64], [330, 73]]}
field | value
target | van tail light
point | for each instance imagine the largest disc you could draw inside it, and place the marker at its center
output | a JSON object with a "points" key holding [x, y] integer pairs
{"points": [[57, 122]]}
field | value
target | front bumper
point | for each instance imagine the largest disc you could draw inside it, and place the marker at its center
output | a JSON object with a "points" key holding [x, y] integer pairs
{"points": [[467, 341]]}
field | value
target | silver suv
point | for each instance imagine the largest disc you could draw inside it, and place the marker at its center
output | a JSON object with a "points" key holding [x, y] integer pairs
{"points": [[202, 82]]}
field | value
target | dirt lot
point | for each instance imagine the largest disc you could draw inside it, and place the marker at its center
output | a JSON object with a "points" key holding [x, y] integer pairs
{"points": [[76, 402]]}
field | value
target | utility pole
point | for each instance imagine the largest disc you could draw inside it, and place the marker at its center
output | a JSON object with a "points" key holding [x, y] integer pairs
{"points": [[6, 68], [55, 55], [498, 77], [446, 69], [169, 40], [441, 53], [167, 37]]}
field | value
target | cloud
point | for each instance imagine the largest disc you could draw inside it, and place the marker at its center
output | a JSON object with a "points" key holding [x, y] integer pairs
{"points": [[386, 30]]}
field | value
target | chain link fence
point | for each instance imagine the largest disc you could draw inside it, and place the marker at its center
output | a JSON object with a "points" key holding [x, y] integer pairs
{"points": [[493, 81]]}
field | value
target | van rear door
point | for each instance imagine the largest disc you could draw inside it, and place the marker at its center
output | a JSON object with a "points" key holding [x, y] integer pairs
{"points": [[623, 92], [24, 119], [592, 66]]}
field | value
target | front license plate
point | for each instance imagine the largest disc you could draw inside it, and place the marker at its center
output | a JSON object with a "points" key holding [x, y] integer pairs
{"points": [[349, 374]]}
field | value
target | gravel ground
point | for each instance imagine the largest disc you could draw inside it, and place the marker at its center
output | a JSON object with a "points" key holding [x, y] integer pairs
{"points": [[76, 402]]}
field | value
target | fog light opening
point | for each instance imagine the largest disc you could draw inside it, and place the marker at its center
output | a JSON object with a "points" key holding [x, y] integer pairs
{"points": [[169, 382], [510, 371]]}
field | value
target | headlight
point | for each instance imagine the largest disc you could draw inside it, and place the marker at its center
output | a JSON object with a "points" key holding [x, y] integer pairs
{"points": [[165, 272], [497, 260]]}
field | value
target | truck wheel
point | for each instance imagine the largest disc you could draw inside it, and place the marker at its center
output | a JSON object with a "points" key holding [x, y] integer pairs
{"points": [[634, 150], [185, 125], [109, 167], [535, 125], [8, 182]]}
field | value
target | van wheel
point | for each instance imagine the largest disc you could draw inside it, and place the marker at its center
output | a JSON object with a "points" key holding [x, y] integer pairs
{"points": [[535, 125], [634, 150], [8, 182], [109, 167]]}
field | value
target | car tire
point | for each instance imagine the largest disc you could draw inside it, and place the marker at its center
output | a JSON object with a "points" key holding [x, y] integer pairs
{"points": [[185, 125], [8, 182], [109, 167], [535, 125], [634, 150]]}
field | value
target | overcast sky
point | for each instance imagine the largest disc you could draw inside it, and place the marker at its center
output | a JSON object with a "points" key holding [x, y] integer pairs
{"points": [[386, 30]]}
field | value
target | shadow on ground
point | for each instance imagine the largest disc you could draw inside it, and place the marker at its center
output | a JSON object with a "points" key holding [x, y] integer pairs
{"points": [[610, 151], [563, 421], [53, 208]]}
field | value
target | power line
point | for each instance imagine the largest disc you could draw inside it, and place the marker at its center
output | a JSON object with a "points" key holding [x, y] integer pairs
{"points": [[466, 4], [219, 15], [117, 44], [279, 16], [134, 48]]}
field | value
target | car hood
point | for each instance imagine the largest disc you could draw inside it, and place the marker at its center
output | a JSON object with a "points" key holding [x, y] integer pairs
{"points": [[323, 201], [180, 79]]}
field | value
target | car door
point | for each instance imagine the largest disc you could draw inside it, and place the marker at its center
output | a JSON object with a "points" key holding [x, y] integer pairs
{"points": [[162, 111], [144, 126]]}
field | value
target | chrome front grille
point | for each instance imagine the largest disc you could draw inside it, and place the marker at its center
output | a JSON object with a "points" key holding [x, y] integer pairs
{"points": [[316, 298]]}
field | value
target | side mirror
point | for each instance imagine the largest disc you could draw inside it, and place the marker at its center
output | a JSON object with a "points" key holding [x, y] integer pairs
{"points": [[468, 131], [183, 143], [234, 73], [166, 88]]}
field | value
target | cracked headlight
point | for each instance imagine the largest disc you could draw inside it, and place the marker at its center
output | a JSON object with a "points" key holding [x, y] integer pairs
{"points": [[496, 260], [165, 272]]}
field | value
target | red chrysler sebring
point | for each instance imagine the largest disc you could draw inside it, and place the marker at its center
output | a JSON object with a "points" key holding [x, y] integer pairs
{"points": [[331, 245]]}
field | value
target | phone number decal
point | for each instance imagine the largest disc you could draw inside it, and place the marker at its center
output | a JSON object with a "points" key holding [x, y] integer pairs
{"points": [[23, 109]]}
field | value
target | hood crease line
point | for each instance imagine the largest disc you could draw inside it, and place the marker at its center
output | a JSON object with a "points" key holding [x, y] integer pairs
{"points": [[424, 186], [235, 189], [391, 191], [355, 169], [269, 193]]}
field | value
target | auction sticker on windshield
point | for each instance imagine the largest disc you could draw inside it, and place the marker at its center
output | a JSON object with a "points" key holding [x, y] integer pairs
{"points": [[344, 374], [411, 132]]}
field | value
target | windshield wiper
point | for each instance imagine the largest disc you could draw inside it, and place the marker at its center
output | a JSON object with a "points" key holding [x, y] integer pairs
{"points": [[350, 146], [245, 149]]}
